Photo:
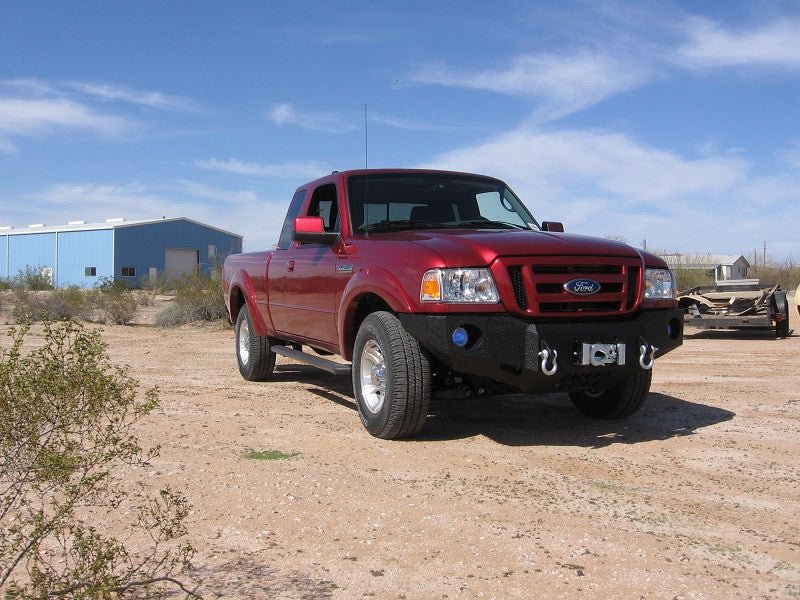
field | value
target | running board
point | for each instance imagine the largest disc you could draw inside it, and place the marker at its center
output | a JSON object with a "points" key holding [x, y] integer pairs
{"points": [[325, 364]]}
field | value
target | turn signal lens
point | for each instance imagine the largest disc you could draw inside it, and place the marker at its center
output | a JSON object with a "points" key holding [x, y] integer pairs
{"points": [[431, 289]]}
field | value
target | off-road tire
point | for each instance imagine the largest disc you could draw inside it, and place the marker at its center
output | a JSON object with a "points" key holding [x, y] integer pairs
{"points": [[256, 360], [617, 402], [394, 359]]}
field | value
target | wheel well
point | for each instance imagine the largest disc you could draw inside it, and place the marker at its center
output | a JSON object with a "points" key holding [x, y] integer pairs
{"points": [[237, 302], [367, 304]]}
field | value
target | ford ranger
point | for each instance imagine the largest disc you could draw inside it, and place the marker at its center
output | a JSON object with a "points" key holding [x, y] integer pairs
{"points": [[443, 284]]}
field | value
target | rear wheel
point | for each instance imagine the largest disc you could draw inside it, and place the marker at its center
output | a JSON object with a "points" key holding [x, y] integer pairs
{"points": [[617, 402], [256, 360], [391, 378]]}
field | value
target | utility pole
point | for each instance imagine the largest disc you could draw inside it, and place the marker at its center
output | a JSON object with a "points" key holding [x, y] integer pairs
{"points": [[644, 244], [764, 262]]}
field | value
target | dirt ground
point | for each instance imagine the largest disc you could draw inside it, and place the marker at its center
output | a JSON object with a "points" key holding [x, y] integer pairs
{"points": [[696, 496]]}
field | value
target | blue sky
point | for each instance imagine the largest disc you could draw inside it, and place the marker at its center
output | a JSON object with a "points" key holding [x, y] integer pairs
{"points": [[674, 122]]}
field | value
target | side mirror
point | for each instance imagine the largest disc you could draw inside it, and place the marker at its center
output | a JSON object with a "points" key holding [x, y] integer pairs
{"points": [[311, 230], [554, 226]]}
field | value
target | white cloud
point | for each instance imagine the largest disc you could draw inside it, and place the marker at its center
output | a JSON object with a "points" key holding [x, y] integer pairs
{"points": [[21, 117], [33, 107], [206, 192], [327, 122], [611, 162], [306, 170], [149, 99], [411, 125], [564, 83], [711, 45]]}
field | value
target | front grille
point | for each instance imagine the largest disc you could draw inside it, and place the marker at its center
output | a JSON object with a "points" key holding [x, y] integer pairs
{"points": [[515, 273], [539, 287]]}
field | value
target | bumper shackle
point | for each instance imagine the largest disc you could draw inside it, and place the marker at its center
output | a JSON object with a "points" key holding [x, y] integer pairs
{"points": [[646, 349], [544, 354]]}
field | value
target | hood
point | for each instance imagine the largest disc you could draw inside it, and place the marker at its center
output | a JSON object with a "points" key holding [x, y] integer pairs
{"points": [[461, 247]]}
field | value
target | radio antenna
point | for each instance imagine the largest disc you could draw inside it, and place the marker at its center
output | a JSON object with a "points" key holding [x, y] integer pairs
{"points": [[366, 163], [366, 140]]}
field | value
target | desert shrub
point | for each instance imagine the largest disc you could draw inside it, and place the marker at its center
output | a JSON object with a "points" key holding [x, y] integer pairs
{"points": [[72, 522], [787, 274], [197, 298], [27, 306], [171, 316], [115, 302], [32, 278], [144, 297], [686, 279], [56, 305]]}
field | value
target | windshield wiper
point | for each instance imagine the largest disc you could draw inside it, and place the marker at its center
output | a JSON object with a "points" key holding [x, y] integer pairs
{"points": [[490, 224], [399, 225]]}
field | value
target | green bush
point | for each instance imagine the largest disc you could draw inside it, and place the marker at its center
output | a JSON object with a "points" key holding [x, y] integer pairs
{"points": [[787, 275], [686, 279], [69, 303], [197, 298], [115, 302], [66, 455], [32, 278]]}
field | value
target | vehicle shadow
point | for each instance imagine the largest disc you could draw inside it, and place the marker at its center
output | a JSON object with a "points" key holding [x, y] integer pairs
{"points": [[527, 420], [551, 420], [334, 388], [733, 334]]}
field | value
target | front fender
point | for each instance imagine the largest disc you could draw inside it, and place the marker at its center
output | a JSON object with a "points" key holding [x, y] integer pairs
{"points": [[241, 282], [376, 281]]}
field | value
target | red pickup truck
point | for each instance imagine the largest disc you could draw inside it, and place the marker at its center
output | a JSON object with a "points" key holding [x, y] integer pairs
{"points": [[443, 284]]}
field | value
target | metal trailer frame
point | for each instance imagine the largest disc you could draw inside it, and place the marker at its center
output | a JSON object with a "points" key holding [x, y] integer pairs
{"points": [[738, 307]]}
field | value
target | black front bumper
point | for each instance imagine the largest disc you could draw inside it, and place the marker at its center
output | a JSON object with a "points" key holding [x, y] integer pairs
{"points": [[506, 349]]}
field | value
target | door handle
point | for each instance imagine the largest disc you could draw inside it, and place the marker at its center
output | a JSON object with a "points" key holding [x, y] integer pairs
{"points": [[290, 265]]}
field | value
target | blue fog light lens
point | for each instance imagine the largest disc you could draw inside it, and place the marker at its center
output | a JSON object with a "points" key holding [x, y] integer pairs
{"points": [[460, 337]]}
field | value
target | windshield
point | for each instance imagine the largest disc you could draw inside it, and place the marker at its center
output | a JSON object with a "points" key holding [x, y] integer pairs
{"points": [[393, 201]]}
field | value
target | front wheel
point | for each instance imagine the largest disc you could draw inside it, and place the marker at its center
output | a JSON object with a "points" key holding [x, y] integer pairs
{"points": [[391, 378], [616, 402], [256, 360]]}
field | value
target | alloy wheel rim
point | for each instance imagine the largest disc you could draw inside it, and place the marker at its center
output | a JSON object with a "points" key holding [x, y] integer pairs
{"points": [[372, 373], [244, 342]]}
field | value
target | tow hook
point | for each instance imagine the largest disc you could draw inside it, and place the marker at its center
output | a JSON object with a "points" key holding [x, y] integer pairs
{"points": [[644, 350], [545, 353]]}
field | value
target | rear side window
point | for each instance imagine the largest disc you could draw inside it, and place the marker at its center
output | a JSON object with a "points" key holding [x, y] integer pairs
{"points": [[294, 210], [324, 204]]}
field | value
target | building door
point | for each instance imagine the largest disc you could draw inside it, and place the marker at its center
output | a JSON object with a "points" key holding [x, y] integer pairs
{"points": [[180, 261]]}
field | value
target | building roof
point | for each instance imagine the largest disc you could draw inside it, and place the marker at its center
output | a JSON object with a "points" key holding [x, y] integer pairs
{"points": [[108, 224], [703, 261]]}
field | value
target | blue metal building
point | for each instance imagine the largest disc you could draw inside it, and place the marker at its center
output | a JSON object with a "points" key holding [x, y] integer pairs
{"points": [[82, 254]]}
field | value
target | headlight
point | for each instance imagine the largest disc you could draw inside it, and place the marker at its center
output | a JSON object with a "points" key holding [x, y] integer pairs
{"points": [[458, 286], [659, 284]]}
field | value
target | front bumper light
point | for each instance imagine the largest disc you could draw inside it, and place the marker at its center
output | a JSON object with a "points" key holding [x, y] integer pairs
{"points": [[458, 286], [659, 284]]}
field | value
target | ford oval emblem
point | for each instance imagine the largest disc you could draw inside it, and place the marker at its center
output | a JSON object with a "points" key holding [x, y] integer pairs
{"points": [[582, 287]]}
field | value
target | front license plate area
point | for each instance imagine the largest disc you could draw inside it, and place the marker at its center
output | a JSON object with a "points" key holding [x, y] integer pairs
{"points": [[600, 355]]}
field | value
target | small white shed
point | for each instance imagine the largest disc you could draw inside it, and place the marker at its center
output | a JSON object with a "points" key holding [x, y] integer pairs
{"points": [[724, 267]]}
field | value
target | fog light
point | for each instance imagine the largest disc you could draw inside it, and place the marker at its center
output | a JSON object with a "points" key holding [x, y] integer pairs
{"points": [[460, 337]]}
